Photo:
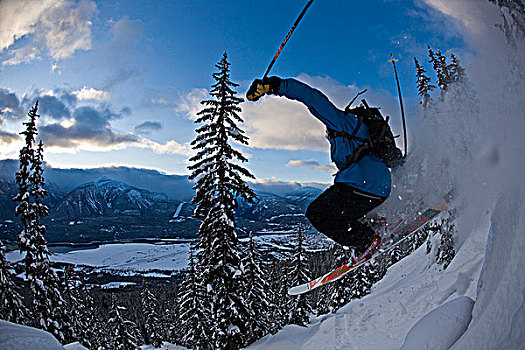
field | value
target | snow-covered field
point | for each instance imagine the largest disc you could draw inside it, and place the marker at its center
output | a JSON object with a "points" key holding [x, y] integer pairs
{"points": [[125, 257]]}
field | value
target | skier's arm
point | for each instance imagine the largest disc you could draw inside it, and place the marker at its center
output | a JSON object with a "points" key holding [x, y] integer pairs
{"points": [[318, 104]]}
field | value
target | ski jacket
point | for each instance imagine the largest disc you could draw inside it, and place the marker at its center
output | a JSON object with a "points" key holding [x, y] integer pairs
{"points": [[369, 174]]}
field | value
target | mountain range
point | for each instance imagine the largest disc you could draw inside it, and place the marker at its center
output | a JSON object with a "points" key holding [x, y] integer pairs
{"points": [[121, 203]]}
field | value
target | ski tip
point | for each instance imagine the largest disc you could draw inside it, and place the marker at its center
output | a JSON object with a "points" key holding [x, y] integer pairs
{"points": [[300, 289]]}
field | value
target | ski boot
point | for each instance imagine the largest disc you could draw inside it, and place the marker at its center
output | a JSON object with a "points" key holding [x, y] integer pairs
{"points": [[374, 245]]}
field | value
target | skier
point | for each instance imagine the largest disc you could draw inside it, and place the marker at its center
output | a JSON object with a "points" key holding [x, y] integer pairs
{"points": [[362, 182]]}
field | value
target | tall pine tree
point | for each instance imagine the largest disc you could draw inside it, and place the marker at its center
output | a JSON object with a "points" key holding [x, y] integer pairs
{"points": [[123, 334], [49, 310], [12, 307], [196, 333], [300, 308], [423, 84], [439, 63], [152, 333], [340, 291], [219, 181], [255, 296]]}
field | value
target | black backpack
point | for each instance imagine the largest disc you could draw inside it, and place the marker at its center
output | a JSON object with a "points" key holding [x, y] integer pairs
{"points": [[381, 142]]}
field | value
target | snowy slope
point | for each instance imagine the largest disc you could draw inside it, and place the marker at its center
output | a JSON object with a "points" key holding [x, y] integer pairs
{"points": [[17, 337], [411, 289]]}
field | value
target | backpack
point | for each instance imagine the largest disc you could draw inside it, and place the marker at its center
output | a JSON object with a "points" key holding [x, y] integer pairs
{"points": [[381, 142]]}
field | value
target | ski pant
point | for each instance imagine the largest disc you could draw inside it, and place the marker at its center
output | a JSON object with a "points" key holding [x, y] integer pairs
{"points": [[336, 212]]}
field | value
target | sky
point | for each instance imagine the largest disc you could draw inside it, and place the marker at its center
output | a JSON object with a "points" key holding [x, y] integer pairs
{"points": [[120, 82]]}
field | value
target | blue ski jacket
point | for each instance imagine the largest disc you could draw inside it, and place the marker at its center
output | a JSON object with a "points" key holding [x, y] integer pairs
{"points": [[369, 174]]}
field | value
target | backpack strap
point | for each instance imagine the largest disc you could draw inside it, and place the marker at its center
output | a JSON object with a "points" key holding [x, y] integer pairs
{"points": [[333, 133], [360, 151]]}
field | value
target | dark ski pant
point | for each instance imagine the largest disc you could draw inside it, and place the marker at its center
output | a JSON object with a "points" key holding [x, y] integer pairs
{"points": [[336, 212]]}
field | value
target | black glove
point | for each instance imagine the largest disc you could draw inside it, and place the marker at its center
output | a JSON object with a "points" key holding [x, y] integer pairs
{"points": [[260, 88]]}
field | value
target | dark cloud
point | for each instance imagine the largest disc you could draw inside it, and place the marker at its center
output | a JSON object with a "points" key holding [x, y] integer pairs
{"points": [[91, 126], [125, 110], [9, 104], [53, 107], [148, 127], [7, 137]]}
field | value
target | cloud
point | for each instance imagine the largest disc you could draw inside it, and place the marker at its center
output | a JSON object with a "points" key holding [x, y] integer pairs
{"points": [[329, 168], [7, 138], [91, 94], [190, 104], [25, 54], [67, 128], [148, 127], [301, 163], [53, 107], [279, 123], [89, 126], [9, 105], [59, 28], [170, 147]]}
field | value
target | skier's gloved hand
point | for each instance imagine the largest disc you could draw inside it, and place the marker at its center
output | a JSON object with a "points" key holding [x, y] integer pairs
{"points": [[260, 88]]}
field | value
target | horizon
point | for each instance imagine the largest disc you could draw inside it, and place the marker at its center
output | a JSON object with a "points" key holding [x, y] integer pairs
{"points": [[121, 84]]}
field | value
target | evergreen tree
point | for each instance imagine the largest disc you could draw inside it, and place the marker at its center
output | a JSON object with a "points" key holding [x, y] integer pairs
{"points": [[95, 328], [299, 273], [439, 63], [278, 297], [48, 306], [218, 184], [172, 329], [195, 329], [75, 305], [340, 291], [256, 297], [395, 255], [152, 323], [457, 72], [423, 84], [12, 307], [445, 252], [122, 333]]}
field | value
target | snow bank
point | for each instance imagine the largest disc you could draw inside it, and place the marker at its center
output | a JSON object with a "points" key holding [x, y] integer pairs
{"points": [[442, 327], [18, 337], [499, 312]]}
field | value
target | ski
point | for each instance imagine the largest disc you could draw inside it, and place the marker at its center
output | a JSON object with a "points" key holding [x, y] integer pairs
{"points": [[403, 230]]}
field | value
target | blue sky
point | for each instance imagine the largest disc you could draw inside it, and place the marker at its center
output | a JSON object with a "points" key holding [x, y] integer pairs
{"points": [[119, 82]]}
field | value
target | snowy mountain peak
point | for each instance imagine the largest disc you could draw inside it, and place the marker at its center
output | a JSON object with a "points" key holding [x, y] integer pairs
{"points": [[106, 196]]}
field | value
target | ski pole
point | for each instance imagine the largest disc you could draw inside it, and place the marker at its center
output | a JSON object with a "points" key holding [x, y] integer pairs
{"points": [[287, 37], [393, 60]]}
